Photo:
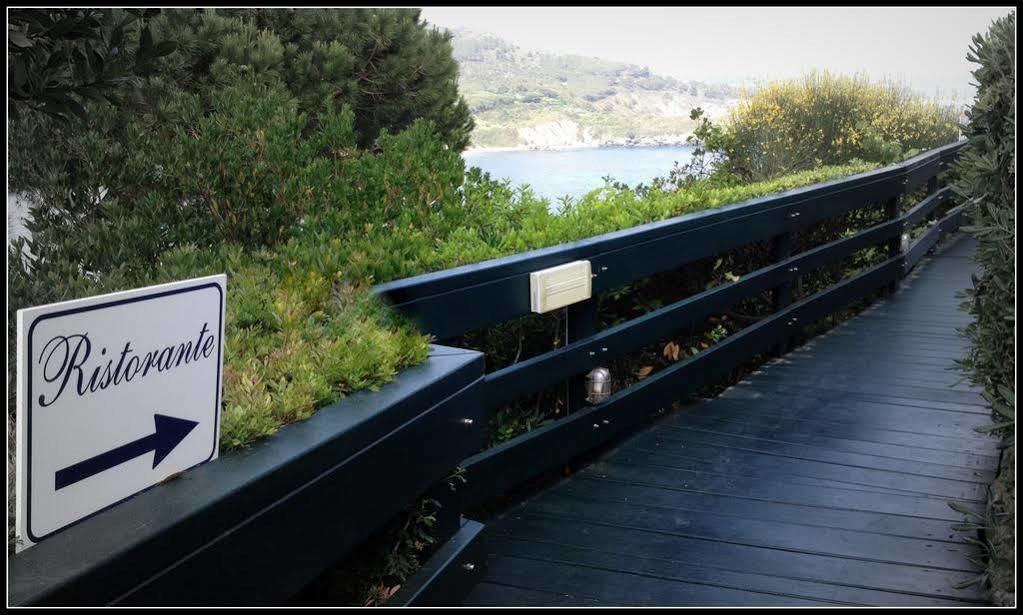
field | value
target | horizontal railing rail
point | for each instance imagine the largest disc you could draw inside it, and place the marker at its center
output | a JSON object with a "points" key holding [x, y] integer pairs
{"points": [[459, 300], [948, 224], [926, 207]]}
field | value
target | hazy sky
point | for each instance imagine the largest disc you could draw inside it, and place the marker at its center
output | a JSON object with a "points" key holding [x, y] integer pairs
{"points": [[925, 47]]}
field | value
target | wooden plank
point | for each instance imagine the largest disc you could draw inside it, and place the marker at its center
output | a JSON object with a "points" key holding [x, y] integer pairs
{"points": [[653, 451], [696, 572], [883, 348], [837, 450], [824, 394], [924, 394], [449, 574], [755, 532], [602, 490], [940, 376], [782, 492], [889, 358], [909, 339], [499, 594], [956, 430], [626, 588], [741, 558], [939, 373], [911, 326]]}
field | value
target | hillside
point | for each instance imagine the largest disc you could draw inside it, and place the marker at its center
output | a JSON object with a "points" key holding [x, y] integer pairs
{"points": [[538, 100]]}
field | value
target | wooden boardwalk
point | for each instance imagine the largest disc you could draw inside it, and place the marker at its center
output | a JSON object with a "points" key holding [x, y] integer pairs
{"points": [[822, 479]]}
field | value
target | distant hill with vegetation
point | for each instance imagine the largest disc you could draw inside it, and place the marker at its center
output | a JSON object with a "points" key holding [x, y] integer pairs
{"points": [[522, 98]]}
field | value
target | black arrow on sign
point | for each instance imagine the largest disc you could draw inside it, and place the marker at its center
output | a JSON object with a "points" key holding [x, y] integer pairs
{"points": [[169, 433]]}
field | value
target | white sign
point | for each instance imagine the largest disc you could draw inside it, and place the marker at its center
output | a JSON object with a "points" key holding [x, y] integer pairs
{"points": [[115, 394]]}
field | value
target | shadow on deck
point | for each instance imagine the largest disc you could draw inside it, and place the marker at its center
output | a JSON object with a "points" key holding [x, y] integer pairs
{"points": [[823, 478]]}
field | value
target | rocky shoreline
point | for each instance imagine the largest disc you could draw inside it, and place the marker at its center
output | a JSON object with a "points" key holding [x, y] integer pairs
{"points": [[652, 141]]}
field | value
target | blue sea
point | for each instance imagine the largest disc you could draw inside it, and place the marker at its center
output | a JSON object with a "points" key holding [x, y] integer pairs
{"points": [[574, 172]]}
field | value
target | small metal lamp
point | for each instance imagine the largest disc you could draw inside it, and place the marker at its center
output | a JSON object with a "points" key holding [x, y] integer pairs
{"points": [[598, 385], [904, 246]]}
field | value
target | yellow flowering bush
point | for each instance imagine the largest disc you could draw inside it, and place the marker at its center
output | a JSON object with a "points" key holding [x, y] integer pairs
{"points": [[823, 118]]}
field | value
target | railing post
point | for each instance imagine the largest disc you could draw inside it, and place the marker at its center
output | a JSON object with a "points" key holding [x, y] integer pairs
{"points": [[893, 210], [781, 296], [581, 322]]}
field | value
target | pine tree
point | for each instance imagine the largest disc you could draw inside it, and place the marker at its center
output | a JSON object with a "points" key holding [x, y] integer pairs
{"points": [[384, 64]]}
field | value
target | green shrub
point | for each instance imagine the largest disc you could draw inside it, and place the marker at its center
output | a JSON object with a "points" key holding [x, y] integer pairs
{"points": [[822, 119], [60, 58], [987, 181], [384, 67], [224, 194], [987, 172], [383, 64]]}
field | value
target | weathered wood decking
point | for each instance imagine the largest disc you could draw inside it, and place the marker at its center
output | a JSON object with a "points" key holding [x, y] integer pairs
{"points": [[824, 478]]}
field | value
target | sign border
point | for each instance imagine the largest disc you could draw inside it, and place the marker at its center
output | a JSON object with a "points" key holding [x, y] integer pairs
{"points": [[28, 388]]}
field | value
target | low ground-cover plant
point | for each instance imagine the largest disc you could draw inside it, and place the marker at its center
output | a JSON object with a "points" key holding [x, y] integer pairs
{"points": [[302, 326]]}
